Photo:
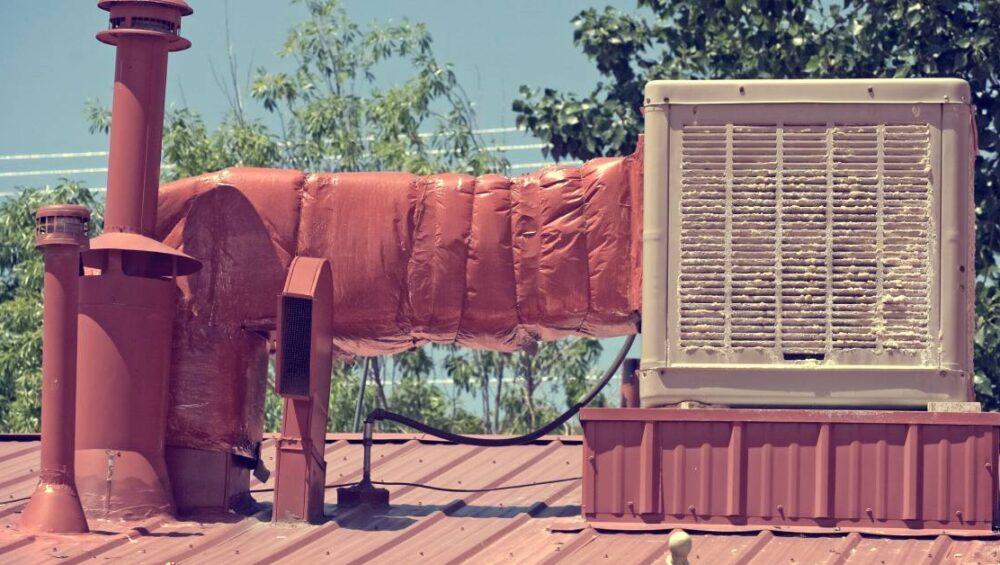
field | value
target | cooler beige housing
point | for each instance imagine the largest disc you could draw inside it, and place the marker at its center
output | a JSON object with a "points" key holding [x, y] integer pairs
{"points": [[808, 243]]}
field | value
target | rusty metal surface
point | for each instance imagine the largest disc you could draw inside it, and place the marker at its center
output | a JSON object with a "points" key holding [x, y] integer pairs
{"points": [[440, 527], [808, 471]]}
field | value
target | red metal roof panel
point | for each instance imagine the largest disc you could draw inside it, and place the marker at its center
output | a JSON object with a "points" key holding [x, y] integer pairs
{"points": [[536, 524]]}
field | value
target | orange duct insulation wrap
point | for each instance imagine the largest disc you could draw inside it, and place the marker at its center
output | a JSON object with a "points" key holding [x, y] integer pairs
{"points": [[489, 262]]}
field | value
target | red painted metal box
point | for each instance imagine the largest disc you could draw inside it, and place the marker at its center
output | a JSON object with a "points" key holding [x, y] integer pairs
{"points": [[799, 470]]}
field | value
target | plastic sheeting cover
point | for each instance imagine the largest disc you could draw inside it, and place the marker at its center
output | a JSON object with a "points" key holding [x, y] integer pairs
{"points": [[488, 262]]}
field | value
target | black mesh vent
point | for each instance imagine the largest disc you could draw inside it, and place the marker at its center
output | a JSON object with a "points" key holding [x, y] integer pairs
{"points": [[296, 342], [154, 24], [50, 225], [138, 22]]}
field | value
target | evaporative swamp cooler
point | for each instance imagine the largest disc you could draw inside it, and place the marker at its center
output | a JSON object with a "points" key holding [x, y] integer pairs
{"points": [[807, 273], [808, 243]]}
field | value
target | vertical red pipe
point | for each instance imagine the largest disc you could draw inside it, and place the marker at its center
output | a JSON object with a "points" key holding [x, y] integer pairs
{"points": [[55, 505], [59, 295], [136, 131], [127, 301], [144, 32]]}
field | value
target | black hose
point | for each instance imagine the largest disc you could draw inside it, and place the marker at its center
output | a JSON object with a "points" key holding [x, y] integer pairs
{"points": [[380, 414]]}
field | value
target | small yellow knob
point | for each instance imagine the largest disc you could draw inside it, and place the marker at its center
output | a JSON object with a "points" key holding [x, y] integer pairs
{"points": [[680, 547]]}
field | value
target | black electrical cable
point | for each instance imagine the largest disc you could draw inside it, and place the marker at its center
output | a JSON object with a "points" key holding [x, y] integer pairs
{"points": [[436, 487], [271, 489], [487, 489], [380, 414]]}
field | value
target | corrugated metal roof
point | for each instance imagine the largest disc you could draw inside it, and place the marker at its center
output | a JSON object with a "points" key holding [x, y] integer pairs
{"points": [[536, 524]]}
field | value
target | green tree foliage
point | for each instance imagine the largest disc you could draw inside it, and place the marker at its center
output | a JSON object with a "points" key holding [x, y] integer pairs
{"points": [[677, 39], [21, 272], [330, 111]]}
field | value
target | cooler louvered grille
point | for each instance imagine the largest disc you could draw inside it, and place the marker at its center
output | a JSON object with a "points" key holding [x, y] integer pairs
{"points": [[805, 239]]}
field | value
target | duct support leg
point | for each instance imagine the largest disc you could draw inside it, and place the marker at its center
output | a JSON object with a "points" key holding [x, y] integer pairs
{"points": [[302, 377]]}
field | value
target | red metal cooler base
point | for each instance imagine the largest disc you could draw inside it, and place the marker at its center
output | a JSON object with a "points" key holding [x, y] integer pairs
{"points": [[797, 470]]}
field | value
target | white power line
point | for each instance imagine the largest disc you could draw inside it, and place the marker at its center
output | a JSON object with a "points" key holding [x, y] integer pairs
{"points": [[54, 172], [497, 148], [79, 154], [476, 131], [48, 189], [82, 154], [514, 167], [542, 165], [504, 148], [94, 170], [35, 156]]}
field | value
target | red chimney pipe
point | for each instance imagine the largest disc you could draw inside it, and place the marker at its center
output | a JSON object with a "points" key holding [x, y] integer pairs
{"points": [[55, 506], [143, 31], [128, 298]]}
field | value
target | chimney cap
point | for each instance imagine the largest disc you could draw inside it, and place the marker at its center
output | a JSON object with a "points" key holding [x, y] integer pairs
{"points": [[61, 224], [167, 260], [71, 210], [179, 5]]}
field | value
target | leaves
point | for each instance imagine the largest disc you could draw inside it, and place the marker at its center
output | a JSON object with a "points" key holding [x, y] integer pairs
{"points": [[335, 116], [190, 149]]}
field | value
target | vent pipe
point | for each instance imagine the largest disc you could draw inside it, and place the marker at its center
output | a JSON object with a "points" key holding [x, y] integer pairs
{"points": [[128, 298], [55, 506], [143, 32]]}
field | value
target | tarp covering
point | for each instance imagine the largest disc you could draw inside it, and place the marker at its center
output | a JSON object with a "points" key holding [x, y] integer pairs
{"points": [[488, 262]]}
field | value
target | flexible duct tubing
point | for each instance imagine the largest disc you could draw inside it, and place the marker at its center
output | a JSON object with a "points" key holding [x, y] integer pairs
{"points": [[489, 262]]}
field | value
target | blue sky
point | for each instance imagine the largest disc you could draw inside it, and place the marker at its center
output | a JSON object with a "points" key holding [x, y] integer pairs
{"points": [[51, 64]]}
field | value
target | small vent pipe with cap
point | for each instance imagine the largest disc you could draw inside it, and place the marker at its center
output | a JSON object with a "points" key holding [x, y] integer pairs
{"points": [[55, 506]]}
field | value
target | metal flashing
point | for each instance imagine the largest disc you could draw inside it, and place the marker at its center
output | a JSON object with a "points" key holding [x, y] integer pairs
{"points": [[820, 91]]}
